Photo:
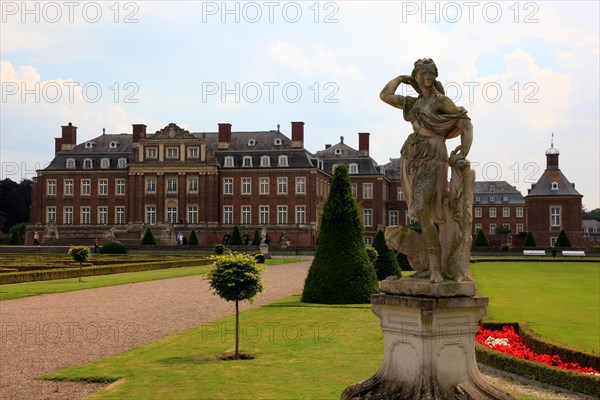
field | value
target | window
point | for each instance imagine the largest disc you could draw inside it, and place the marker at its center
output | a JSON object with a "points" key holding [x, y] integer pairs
{"points": [[68, 215], [354, 190], [119, 215], [151, 153], [505, 199], [89, 145], [301, 185], [227, 185], [150, 215], [400, 194], [553, 241], [353, 168], [150, 185], [477, 199], [519, 212], [264, 215], [228, 215], [492, 229], [192, 185], [70, 164], [505, 212], [367, 190], [277, 142], [104, 163], [394, 218], [229, 162], [368, 217], [246, 215], [122, 163], [102, 187], [88, 163], [506, 227], [477, 227], [283, 161], [520, 228], [251, 142], [281, 185], [477, 212], [172, 153], [338, 151], [492, 212], [85, 187], [103, 215], [120, 187], [50, 214], [192, 215], [282, 215], [407, 219], [300, 215], [51, 187], [554, 216], [68, 189], [246, 185], [193, 152], [554, 186], [264, 185], [247, 161], [172, 215], [492, 199], [171, 185], [265, 161], [113, 145], [368, 240]]}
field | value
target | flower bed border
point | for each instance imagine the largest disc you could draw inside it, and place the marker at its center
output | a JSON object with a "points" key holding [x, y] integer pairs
{"points": [[582, 383]]}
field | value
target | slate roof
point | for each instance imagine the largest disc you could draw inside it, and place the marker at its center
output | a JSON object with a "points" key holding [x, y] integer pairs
{"points": [[342, 153], [591, 225], [97, 149], [496, 192], [543, 187]]}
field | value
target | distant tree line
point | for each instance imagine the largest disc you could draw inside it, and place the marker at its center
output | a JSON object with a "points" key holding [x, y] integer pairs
{"points": [[593, 214], [15, 200]]}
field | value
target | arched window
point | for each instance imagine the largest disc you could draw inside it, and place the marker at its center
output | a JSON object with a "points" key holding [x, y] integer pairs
{"points": [[283, 161], [122, 163], [554, 186], [265, 161], [70, 164], [88, 163], [247, 161], [353, 168], [229, 162], [105, 163]]}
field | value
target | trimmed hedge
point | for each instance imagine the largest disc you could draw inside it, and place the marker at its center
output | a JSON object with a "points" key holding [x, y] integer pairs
{"points": [[113, 248], [65, 273]]}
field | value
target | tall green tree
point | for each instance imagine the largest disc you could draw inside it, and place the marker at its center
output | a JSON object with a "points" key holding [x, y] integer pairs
{"points": [[481, 239], [236, 277], [236, 237], [386, 263], [529, 240], [193, 241], [341, 272], [15, 199], [256, 238], [562, 240], [148, 238]]}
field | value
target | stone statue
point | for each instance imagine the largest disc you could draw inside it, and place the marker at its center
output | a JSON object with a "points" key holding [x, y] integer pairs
{"points": [[442, 209]]}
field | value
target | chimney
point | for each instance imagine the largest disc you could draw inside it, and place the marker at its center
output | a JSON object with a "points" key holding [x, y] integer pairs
{"points": [[327, 146], [552, 156], [297, 134], [139, 132], [57, 145], [224, 136], [68, 139], [363, 144]]}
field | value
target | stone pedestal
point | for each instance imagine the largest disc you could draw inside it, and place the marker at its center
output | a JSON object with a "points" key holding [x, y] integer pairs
{"points": [[428, 350], [264, 249]]}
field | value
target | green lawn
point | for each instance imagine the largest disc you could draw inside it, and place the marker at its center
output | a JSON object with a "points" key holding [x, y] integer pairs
{"points": [[18, 290], [560, 301]]}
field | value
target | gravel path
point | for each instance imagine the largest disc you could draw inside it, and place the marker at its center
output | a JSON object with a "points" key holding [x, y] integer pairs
{"points": [[41, 334]]}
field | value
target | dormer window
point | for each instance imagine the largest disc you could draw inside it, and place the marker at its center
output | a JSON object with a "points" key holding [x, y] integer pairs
{"points": [[283, 161], [505, 199], [88, 163], [113, 145], [251, 142], [492, 199], [477, 199], [265, 161], [89, 145], [554, 186], [122, 163], [105, 163], [491, 188], [247, 161], [353, 168], [338, 151], [277, 142], [228, 162], [70, 164]]}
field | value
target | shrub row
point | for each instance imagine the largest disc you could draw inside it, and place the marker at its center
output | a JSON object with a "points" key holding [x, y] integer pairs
{"points": [[582, 383], [65, 273]]}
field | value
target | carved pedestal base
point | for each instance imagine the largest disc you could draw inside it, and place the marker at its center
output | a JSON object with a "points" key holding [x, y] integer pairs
{"points": [[428, 351], [264, 249]]}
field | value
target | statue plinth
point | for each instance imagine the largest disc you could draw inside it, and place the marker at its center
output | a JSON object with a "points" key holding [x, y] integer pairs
{"points": [[428, 350], [423, 287], [264, 249]]}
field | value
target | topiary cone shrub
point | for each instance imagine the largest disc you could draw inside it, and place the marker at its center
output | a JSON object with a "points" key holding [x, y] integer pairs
{"points": [[562, 240], [193, 239], [341, 272], [256, 238], [481, 239], [148, 238], [529, 240], [14, 239], [236, 237], [386, 263]]}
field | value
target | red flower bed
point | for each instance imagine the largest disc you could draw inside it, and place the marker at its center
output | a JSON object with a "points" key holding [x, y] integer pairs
{"points": [[508, 342]]}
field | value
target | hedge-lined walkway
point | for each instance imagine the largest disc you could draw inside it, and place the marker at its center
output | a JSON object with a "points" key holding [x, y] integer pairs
{"points": [[43, 333]]}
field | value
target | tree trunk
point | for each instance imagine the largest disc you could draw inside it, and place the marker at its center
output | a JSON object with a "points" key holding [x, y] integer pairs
{"points": [[80, 270]]}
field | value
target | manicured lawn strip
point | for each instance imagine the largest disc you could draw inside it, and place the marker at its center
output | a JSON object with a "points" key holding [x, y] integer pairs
{"points": [[18, 290], [560, 301], [301, 352]]}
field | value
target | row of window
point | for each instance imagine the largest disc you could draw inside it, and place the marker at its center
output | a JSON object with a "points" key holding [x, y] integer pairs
{"points": [[505, 212], [172, 153], [86, 187], [492, 199], [85, 215], [520, 228], [245, 215], [265, 161], [88, 163]]}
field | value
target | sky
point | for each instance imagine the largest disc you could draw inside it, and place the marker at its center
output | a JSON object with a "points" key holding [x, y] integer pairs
{"points": [[527, 72]]}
